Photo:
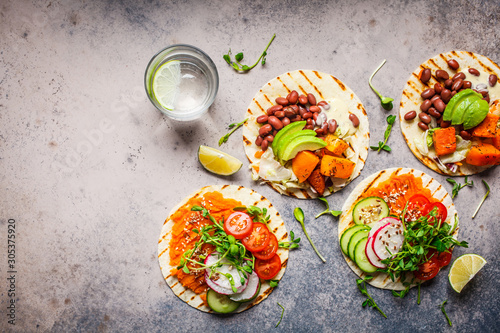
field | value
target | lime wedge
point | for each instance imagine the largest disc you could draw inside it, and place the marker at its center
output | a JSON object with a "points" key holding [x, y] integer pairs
{"points": [[217, 161], [166, 83], [463, 269]]}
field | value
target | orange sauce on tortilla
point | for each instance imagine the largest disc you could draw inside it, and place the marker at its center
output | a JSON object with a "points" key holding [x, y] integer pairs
{"points": [[397, 190], [183, 238]]}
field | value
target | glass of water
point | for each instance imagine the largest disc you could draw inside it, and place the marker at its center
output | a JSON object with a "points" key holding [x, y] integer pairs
{"points": [[181, 81]]}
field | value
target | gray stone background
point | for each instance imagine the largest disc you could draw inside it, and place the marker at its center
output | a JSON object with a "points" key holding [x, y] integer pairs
{"points": [[89, 169]]}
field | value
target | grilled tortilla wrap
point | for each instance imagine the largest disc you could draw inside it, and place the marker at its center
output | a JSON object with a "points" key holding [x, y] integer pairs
{"points": [[411, 100], [325, 87], [247, 197], [382, 280]]}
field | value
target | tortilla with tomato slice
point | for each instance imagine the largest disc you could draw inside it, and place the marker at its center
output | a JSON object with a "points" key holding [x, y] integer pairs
{"points": [[393, 181], [453, 164], [342, 103], [192, 289]]}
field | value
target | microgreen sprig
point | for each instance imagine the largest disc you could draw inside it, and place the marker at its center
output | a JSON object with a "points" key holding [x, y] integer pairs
{"points": [[258, 214], [382, 145], [484, 198], [282, 312], [299, 216], [385, 101], [233, 127], [444, 312], [292, 244], [457, 186], [239, 57], [361, 283], [327, 210]]}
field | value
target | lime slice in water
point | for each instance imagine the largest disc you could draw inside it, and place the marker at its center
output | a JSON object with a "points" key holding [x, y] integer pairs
{"points": [[217, 161], [463, 270], [166, 83]]}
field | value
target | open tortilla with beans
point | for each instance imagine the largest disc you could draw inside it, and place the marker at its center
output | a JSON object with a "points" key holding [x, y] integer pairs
{"points": [[177, 236], [395, 186], [471, 150], [342, 118]]}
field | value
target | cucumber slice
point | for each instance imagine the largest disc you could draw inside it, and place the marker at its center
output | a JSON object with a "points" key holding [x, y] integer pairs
{"points": [[370, 210], [220, 303], [355, 238], [360, 257], [346, 236]]}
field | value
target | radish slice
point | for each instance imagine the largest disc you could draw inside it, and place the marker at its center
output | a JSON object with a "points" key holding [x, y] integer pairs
{"points": [[220, 279], [388, 240], [218, 289], [372, 258], [250, 291]]}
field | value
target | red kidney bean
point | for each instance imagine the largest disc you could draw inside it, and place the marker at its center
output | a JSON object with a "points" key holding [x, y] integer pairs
{"points": [[448, 83], [310, 121], [433, 112], [443, 75], [474, 71], [445, 124], [275, 132], [319, 131], [266, 129], [315, 116], [483, 92], [303, 99], [309, 127], [428, 93], [332, 125], [269, 138], [293, 97], [453, 93], [289, 112], [457, 84], [285, 121], [459, 75], [264, 145], [282, 101], [262, 119], [425, 105], [446, 95], [302, 110], [492, 80], [273, 109], [311, 99], [434, 98], [322, 103], [259, 140], [423, 126], [425, 75], [410, 115], [275, 122], [315, 108], [453, 64], [307, 115], [465, 135], [354, 119], [438, 88], [424, 117], [279, 114], [295, 118], [324, 127], [467, 85], [439, 105], [295, 108], [487, 98]]}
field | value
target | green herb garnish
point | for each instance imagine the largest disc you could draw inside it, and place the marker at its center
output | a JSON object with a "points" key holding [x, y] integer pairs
{"points": [[418, 294], [361, 283], [273, 283], [484, 198], [292, 244], [257, 214], [282, 312], [233, 127], [382, 145], [385, 101], [444, 312], [327, 210], [299, 216], [457, 186], [239, 57]]}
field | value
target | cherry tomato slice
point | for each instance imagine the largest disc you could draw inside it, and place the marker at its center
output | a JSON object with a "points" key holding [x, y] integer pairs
{"points": [[238, 224], [267, 269], [258, 239], [427, 270], [270, 250], [443, 258], [415, 207], [441, 211]]}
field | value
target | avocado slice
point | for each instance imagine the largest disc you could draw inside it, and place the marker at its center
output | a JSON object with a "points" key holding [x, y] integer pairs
{"points": [[475, 113], [461, 107], [288, 129], [455, 101], [302, 143], [286, 139]]}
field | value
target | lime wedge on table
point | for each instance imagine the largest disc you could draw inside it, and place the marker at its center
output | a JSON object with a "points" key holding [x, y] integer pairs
{"points": [[166, 83], [463, 269], [217, 161]]}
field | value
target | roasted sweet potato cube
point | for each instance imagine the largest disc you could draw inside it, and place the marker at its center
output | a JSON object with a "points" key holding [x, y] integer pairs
{"points": [[317, 181], [445, 141], [337, 167], [487, 128], [338, 147]]}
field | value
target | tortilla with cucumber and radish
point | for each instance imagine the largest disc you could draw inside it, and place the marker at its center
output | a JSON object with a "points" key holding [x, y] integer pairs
{"points": [[472, 151], [333, 100], [393, 181], [177, 230]]}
